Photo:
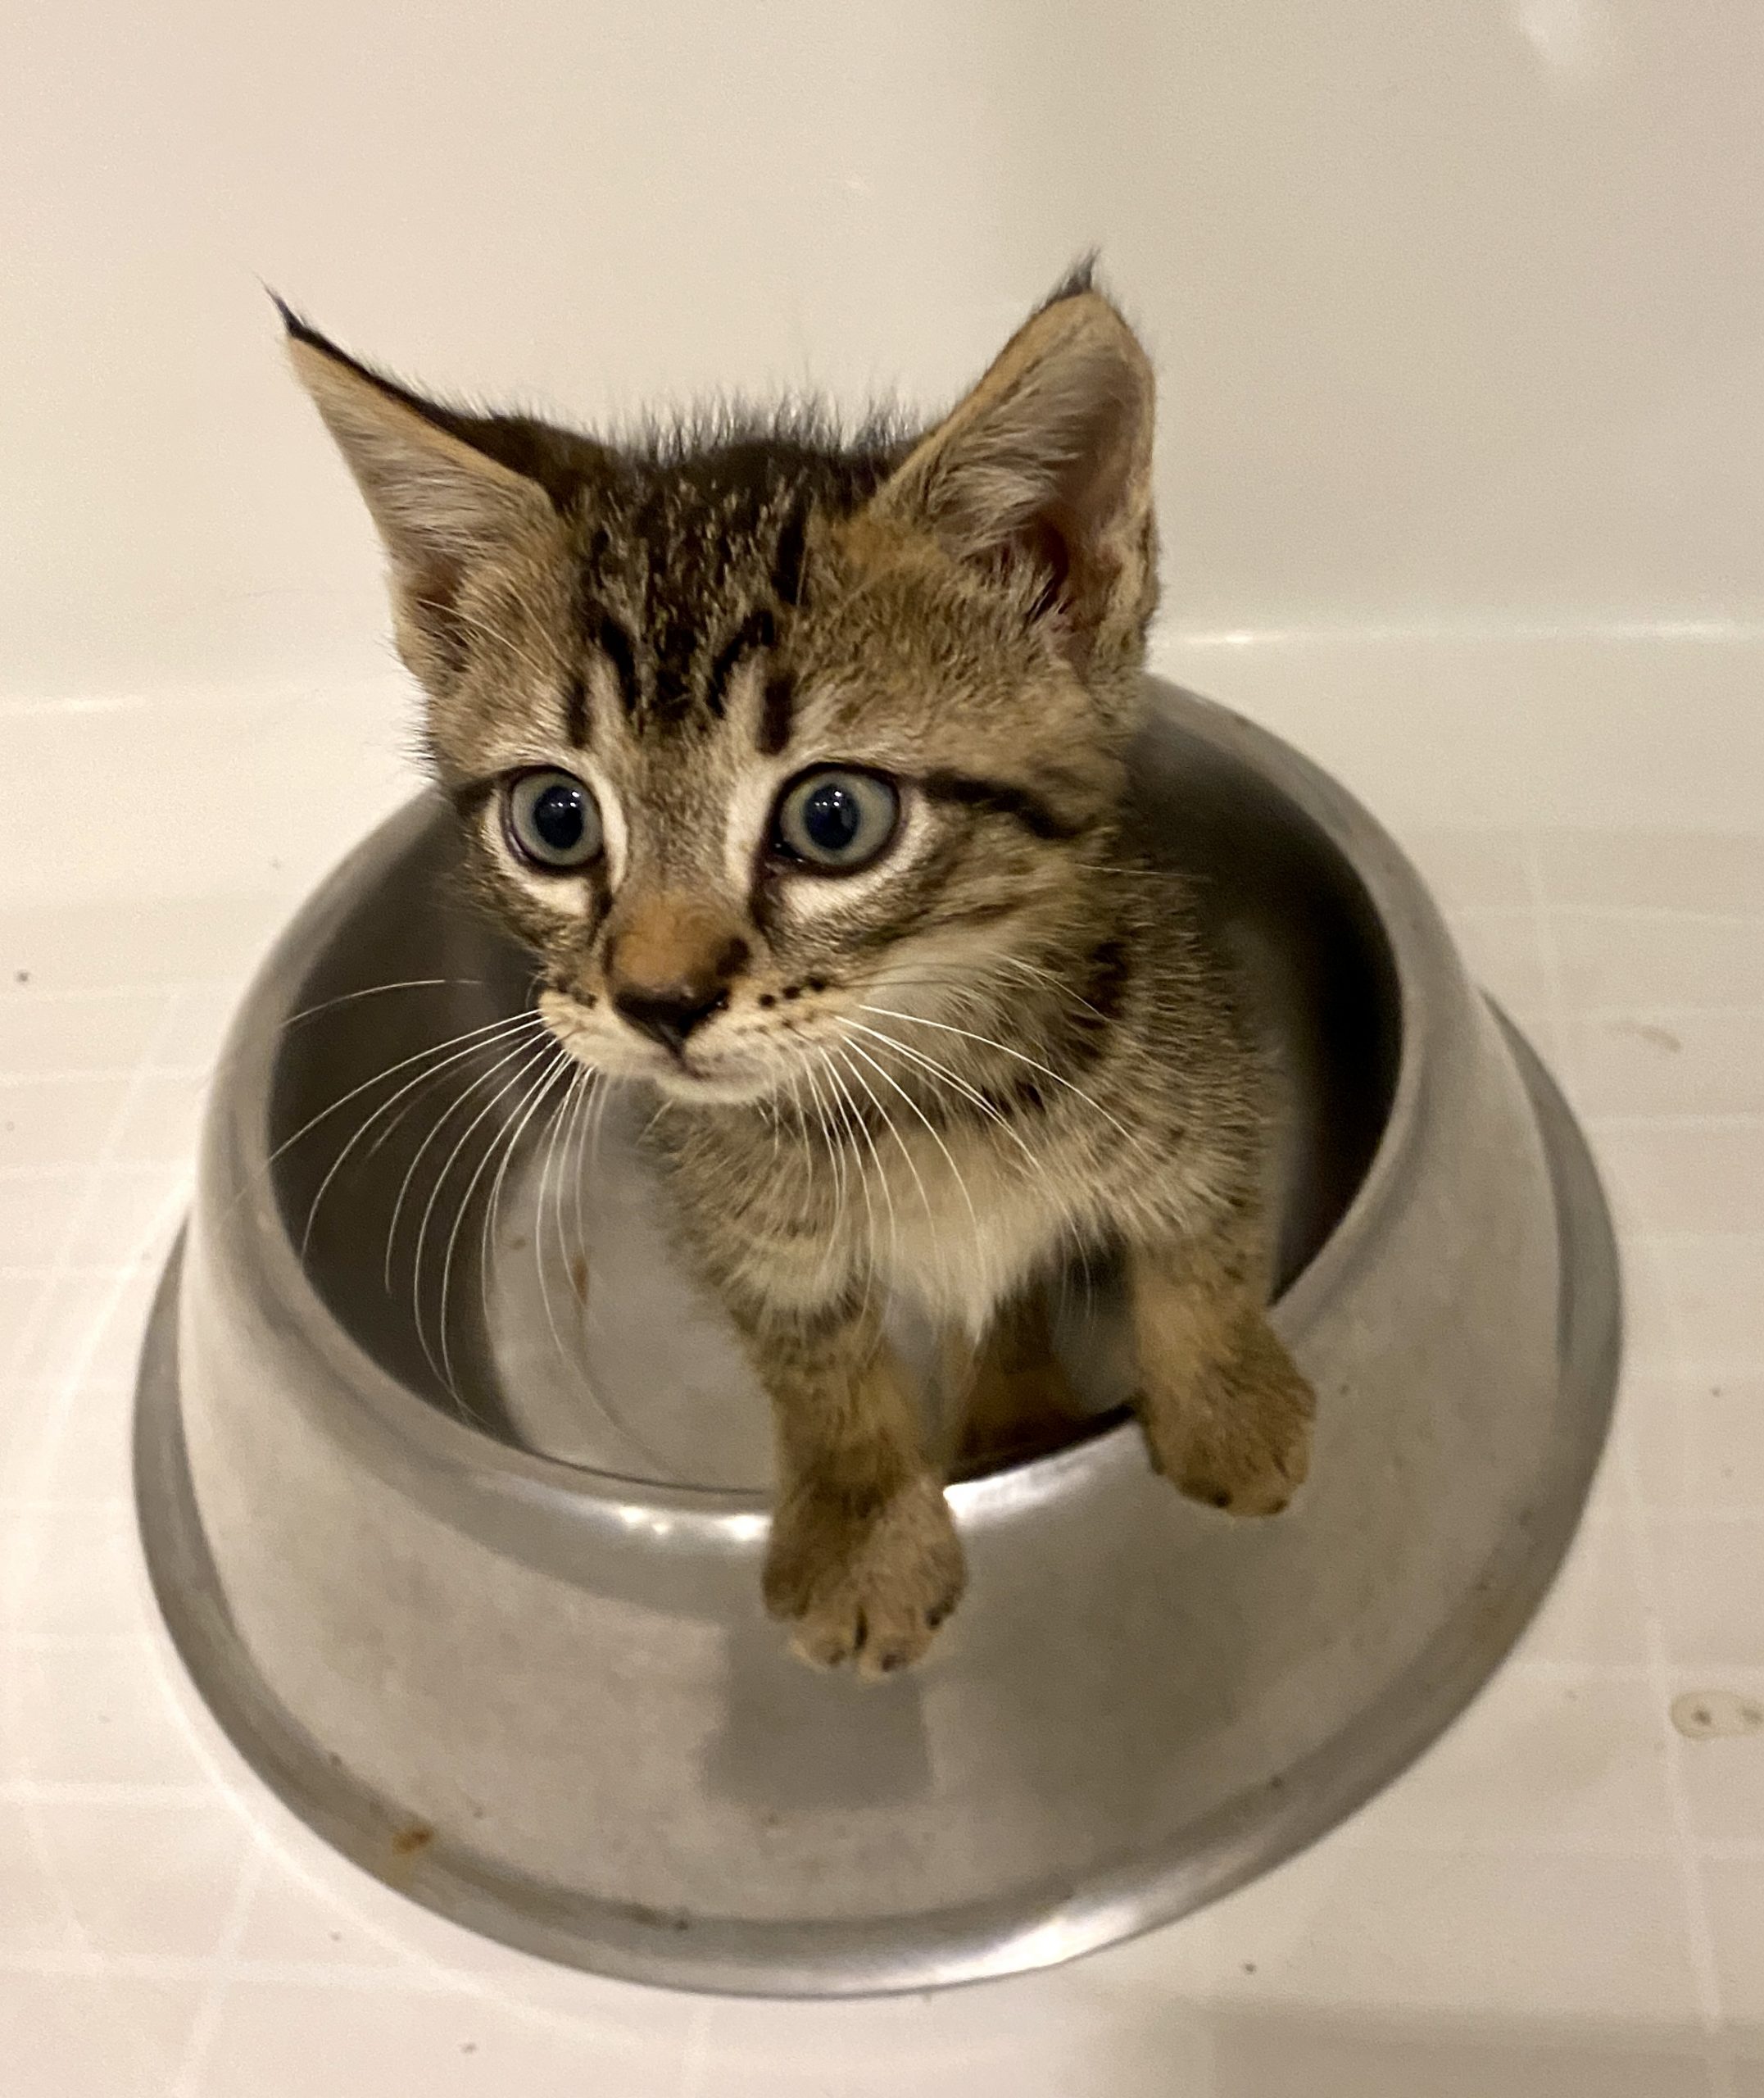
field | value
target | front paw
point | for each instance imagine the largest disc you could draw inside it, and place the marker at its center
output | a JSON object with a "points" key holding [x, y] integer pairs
{"points": [[868, 1586], [1245, 1444]]}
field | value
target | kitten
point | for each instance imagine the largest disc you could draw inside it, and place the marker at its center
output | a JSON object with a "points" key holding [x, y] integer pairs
{"points": [[800, 765]]}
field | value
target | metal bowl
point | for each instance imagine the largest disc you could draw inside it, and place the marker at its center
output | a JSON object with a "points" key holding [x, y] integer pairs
{"points": [[475, 1586]]}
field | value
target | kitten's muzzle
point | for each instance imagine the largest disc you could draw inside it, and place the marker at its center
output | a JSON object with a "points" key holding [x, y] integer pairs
{"points": [[670, 967]]}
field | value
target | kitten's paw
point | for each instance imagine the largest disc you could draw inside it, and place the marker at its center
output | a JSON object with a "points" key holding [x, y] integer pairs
{"points": [[1246, 1446], [868, 1588]]}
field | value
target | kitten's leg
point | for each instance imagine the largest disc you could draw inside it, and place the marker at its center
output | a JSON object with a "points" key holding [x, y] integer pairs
{"points": [[863, 1556], [1226, 1415], [1019, 1402]]}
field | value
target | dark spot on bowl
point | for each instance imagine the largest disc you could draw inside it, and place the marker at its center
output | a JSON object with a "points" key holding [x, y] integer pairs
{"points": [[412, 1840]]}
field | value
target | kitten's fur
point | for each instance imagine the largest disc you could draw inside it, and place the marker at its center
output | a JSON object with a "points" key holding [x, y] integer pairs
{"points": [[1004, 1044]]}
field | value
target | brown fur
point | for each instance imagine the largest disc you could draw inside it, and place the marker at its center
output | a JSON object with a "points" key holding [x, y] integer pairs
{"points": [[1004, 1046]]}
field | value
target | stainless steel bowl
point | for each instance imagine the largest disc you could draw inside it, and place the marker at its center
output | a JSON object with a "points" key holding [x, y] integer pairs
{"points": [[477, 1591]]}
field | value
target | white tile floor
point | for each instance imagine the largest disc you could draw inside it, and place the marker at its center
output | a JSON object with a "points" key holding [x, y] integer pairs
{"points": [[1565, 1897]]}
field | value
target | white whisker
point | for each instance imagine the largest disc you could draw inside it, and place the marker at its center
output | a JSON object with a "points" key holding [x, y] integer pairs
{"points": [[525, 1050], [479, 1171], [944, 1027], [930, 1064], [849, 1122], [837, 1158], [377, 990], [493, 1208], [554, 1128], [478, 1035], [937, 1138], [852, 1049], [837, 1063], [411, 1087], [441, 1122]]}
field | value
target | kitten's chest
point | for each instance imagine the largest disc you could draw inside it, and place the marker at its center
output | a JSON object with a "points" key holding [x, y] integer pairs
{"points": [[957, 1233]]}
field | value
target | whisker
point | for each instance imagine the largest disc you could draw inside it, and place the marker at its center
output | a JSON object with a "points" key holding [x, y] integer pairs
{"points": [[377, 990], [851, 1072], [446, 1115], [930, 1065], [435, 1049], [459, 1215], [553, 1129], [944, 1027], [802, 1126], [837, 1156], [409, 1087], [601, 1104], [935, 1137], [843, 1108], [524, 1052], [852, 1049], [587, 1118], [1046, 976], [493, 1207]]}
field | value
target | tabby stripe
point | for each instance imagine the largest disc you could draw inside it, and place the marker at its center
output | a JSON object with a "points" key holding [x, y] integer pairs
{"points": [[613, 641], [576, 714], [758, 630], [996, 797], [775, 713], [787, 561]]}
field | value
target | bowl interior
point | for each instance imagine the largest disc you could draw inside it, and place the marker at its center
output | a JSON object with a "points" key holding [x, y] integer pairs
{"points": [[490, 1237]]}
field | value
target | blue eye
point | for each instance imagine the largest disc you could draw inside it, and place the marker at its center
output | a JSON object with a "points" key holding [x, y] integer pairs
{"points": [[838, 820], [553, 821]]}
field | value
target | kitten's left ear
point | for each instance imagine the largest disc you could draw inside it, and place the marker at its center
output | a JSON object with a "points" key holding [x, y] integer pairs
{"points": [[1047, 464], [443, 507]]}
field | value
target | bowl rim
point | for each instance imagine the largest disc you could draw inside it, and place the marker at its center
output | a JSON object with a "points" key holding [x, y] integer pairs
{"points": [[418, 1447]]}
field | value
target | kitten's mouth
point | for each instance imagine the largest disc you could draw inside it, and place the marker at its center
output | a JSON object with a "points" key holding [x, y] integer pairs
{"points": [[699, 1073]]}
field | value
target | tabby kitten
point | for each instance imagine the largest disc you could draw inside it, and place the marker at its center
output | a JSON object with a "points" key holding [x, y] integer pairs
{"points": [[800, 765]]}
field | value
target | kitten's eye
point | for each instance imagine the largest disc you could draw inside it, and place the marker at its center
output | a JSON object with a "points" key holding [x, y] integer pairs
{"points": [[838, 820], [552, 820]]}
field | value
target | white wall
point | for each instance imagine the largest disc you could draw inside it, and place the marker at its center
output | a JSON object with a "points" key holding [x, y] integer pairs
{"points": [[1459, 308]]}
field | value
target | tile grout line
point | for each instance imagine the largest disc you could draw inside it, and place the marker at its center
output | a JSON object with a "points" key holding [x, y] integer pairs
{"points": [[105, 1073], [20, 1540], [224, 1966], [1699, 1938], [93, 1172]]}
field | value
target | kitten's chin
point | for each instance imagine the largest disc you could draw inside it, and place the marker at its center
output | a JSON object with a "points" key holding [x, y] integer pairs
{"points": [[715, 1088]]}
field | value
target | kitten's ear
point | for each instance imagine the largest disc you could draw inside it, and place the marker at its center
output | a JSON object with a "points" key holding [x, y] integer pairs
{"points": [[442, 505], [1047, 463]]}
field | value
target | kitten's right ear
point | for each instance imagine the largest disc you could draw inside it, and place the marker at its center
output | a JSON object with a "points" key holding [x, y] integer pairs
{"points": [[442, 507], [1045, 469]]}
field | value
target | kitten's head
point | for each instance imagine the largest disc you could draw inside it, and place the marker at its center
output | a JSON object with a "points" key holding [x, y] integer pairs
{"points": [[749, 729]]}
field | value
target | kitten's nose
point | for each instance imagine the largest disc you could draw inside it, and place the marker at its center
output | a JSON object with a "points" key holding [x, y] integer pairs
{"points": [[670, 1017], [669, 965]]}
